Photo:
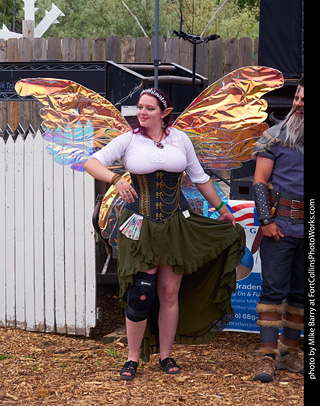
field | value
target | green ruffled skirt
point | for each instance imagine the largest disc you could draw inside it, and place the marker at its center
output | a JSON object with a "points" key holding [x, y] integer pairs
{"points": [[205, 251]]}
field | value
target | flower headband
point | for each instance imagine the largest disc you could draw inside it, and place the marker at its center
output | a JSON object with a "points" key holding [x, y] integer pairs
{"points": [[157, 95]]}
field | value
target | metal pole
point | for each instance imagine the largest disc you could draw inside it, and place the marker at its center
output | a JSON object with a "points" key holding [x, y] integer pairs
{"points": [[156, 61], [194, 69]]}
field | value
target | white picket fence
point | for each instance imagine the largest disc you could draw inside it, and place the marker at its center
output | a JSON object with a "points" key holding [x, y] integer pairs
{"points": [[47, 259]]}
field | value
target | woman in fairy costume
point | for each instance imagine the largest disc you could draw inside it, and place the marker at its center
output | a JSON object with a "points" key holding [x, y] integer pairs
{"points": [[165, 250]]}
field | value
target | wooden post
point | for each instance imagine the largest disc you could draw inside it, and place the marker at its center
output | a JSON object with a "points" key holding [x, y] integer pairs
{"points": [[99, 49], [143, 53], [231, 55], [113, 49], [3, 50], [128, 45], [215, 60], [28, 29], [245, 52], [54, 48]]}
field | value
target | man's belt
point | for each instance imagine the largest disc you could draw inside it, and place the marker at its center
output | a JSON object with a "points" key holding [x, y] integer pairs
{"points": [[285, 207], [288, 207], [295, 204], [292, 214]]}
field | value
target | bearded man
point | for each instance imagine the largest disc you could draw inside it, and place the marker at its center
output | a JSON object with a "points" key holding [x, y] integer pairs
{"points": [[278, 190]]}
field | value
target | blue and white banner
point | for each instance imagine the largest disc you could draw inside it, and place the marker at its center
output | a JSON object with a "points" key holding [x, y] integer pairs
{"points": [[248, 288]]}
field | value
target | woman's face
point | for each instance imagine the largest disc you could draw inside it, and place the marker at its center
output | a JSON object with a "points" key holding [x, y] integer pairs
{"points": [[148, 112]]}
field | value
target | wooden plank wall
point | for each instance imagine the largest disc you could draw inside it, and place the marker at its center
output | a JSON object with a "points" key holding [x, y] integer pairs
{"points": [[214, 60], [47, 248]]}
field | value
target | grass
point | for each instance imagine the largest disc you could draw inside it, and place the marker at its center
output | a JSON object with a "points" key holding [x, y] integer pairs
{"points": [[5, 356]]}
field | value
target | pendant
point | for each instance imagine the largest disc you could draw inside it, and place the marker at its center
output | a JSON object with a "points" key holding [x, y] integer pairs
{"points": [[158, 145]]}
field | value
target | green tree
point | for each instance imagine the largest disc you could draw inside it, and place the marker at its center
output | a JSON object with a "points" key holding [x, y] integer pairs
{"points": [[9, 10], [233, 19], [238, 18]]}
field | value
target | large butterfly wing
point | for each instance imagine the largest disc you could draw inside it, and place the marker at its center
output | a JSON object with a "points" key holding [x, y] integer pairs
{"points": [[197, 202], [77, 120], [226, 119], [109, 214]]}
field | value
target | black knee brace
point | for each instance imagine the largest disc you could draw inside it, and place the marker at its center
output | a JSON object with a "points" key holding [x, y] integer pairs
{"points": [[140, 296]]}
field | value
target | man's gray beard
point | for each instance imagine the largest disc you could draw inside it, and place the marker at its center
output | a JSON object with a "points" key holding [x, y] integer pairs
{"points": [[295, 128]]}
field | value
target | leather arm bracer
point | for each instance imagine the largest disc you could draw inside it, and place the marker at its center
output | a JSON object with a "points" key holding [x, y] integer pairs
{"points": [[261, 198]]}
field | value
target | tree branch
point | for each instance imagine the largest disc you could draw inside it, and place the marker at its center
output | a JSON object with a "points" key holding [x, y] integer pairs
{"points": [[213, 18], [145, 34]]}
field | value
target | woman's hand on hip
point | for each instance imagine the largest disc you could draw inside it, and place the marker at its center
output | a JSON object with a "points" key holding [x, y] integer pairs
{"points": [[126, 190]]}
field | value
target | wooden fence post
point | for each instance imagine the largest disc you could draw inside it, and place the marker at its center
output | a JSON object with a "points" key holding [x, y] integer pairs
{"points": [[25, 48], [215, 60], [185, 51], [3, 50], [40, 49], [172, 50], [114, 49], [68, 49], [28, 28], [202, 62], [54, 49], [245, 52], [143, 52], [12, 50], [256, 52], [99, 49], [128, 45], [83, 49], [231, 55]]}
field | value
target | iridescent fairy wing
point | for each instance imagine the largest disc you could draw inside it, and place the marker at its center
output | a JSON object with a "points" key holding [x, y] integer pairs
{"points": [[197, 202], [77, 121], [226, 119], [109, 214]]}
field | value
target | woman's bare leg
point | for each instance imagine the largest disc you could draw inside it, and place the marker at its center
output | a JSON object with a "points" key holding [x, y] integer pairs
{"points": [[135, 332], [168, 285]]}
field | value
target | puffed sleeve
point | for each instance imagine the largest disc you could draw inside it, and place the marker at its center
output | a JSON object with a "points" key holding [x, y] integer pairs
{"points": [[193, 169], [114, 150]]}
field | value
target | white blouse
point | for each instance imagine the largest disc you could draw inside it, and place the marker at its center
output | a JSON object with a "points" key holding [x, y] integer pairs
{"points": [[141, 156]]}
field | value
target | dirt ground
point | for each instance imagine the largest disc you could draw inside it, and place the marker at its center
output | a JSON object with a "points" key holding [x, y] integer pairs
{"points": [[49, 369]]}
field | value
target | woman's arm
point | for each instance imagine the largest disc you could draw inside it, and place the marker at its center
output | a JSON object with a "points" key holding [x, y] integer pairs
{"points": [[209, 193], [99, 172]]}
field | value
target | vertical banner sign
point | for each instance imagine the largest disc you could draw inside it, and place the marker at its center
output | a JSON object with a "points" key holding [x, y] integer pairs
{"points": [[248, 287], [244, 300]]}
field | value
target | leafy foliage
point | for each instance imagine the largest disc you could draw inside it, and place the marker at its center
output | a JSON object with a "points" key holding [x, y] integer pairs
{"points": [[101, 18], [233, 20], [9, 10]]}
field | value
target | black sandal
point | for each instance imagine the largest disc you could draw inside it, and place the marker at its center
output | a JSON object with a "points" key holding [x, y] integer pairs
{"points": [[129, 367], [169, 363]]}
